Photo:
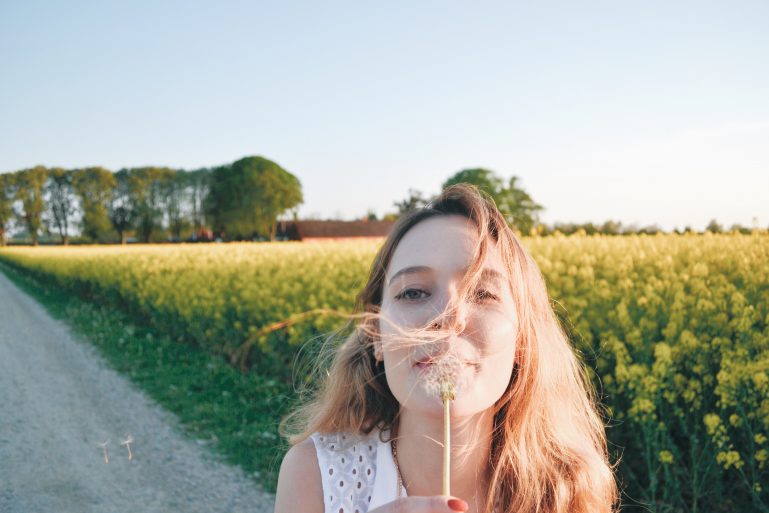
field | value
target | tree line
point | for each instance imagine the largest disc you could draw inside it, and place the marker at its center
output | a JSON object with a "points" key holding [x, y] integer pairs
{"points": [[522, 212], [241, 200], [238, 201]]}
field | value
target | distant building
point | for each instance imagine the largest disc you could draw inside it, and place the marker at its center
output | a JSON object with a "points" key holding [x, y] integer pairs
{"points": [[314, 231]]}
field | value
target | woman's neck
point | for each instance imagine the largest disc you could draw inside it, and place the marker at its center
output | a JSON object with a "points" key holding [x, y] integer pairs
{"points": [[419, 442]]}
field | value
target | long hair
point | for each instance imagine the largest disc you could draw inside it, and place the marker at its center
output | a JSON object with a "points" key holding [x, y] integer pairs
{"points": [[548, 450]]}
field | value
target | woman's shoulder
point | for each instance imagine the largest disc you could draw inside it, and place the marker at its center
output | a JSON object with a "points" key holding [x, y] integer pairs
{"points": [[337, 471], [301, 453], [300, 465]]}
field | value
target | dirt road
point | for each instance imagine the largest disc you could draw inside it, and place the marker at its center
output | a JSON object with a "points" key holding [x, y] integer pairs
{"points": [[60, 402]]}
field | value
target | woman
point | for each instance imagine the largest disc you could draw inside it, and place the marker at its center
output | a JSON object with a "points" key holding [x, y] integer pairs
{"points": [[451, 293]]}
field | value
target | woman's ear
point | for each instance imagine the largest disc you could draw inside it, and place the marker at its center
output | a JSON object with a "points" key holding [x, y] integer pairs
{"points": [[378, 353]]}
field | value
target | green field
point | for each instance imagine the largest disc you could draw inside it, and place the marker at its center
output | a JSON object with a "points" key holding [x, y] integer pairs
{"points": [[673, 328]]}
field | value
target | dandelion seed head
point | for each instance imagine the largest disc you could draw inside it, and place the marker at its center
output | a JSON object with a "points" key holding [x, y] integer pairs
{"points": [[443, 378]]}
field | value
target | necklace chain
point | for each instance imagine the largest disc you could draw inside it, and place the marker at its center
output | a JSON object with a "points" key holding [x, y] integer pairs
{"points": [[397, 467]]}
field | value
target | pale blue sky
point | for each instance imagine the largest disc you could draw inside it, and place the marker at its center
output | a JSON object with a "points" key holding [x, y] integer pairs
{"points": [[645, 112]]}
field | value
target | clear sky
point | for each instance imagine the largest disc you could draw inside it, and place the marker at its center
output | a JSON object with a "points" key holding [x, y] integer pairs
{"points": [[643, 112]]}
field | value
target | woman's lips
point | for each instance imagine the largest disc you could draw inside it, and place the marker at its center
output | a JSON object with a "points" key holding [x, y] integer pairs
{"points": [[428, 364]]}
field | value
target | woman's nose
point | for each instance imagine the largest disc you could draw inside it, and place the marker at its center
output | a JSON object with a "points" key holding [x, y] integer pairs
{"points": [[451, 316]]}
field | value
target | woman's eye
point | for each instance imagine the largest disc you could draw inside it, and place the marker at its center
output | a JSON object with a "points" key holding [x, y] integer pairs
{"points": [[412, 294], [485, 295]]}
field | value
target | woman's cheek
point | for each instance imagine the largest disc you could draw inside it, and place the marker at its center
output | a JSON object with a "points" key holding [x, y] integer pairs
{"points": [[411, 318], [500, 334]]}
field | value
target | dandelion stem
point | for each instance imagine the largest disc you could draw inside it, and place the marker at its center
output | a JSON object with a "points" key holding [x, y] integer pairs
{"points": [[127, 442], [447, 395], [104, 448]]}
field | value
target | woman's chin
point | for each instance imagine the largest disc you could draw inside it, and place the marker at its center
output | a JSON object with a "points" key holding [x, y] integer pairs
{"points": [[426, 399]]}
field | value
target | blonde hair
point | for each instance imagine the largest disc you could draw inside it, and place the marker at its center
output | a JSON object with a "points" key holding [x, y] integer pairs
{"points": [[548, 451]]}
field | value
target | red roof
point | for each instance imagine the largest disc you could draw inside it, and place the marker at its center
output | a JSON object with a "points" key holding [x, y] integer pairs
{"points": [[299, 230]]}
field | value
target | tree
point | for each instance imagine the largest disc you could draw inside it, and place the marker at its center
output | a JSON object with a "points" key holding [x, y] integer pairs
{"points": [[247, 197], [515, 204], [199, 181], [485, 179], [146, 194], [177, 202], [121, 209], [414, 201], [30, 183], [94, 186], [611, 227], [61, 201], [650, 230], [7, 194], [714, 227], [738, 228]]}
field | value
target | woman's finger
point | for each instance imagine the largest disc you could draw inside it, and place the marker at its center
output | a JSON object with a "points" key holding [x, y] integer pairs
{"points": [[433, 504]]}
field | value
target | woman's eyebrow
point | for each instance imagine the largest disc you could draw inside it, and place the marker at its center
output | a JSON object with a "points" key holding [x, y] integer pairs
{"points": [[410, 270], [486, 274]]}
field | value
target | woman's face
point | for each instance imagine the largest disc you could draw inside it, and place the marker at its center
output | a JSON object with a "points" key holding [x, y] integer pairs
{"points": [[422, 277]]}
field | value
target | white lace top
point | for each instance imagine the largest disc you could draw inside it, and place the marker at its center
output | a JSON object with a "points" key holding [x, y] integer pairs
{"points": [[357, 471]]}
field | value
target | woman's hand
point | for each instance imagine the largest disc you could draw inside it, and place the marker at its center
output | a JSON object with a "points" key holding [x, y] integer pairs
{"points": [[433, 504]]}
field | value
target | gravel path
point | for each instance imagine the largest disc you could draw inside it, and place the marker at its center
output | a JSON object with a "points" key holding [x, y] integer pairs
{"points": [[59, 400]]}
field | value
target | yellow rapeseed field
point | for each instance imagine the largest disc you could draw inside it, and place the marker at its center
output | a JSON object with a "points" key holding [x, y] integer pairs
{"points": [[674, 330]]}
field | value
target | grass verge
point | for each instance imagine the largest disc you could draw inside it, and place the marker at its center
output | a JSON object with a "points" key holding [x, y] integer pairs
{"points": [[236, 413]]}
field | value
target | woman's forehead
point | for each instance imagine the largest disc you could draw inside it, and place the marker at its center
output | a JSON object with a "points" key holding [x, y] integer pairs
{"points": [[443, 244]]}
